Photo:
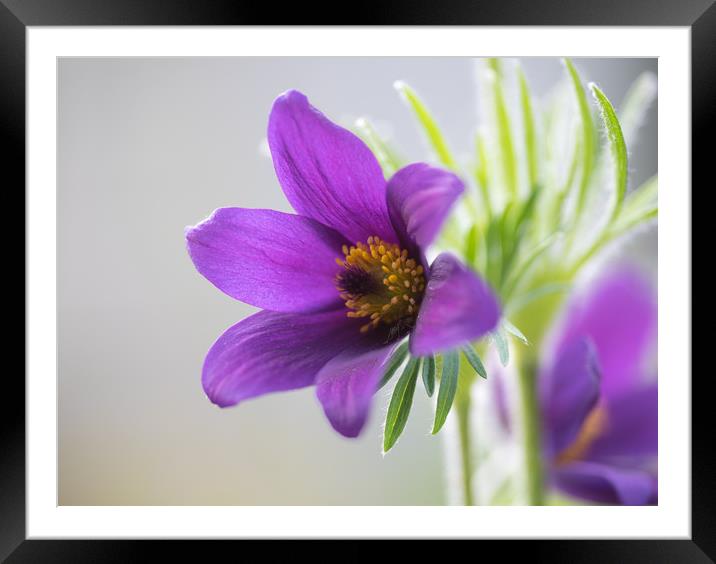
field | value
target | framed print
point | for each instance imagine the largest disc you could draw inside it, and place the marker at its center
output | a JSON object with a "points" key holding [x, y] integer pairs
{"points": [[417, 285]]}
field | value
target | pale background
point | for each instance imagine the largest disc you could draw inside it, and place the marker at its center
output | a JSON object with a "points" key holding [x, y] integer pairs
{"points": [[148, 146]]}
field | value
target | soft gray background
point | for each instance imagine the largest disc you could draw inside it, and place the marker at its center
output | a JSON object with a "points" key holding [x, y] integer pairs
{"points": [[148, 146]]}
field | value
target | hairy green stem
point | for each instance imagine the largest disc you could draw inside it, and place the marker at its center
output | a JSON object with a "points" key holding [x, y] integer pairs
{"points": [[531, 441], [466, 461]]}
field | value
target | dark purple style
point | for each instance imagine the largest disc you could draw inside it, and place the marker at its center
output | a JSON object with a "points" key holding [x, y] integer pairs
{"points": [[342, 280], [599, 400]]}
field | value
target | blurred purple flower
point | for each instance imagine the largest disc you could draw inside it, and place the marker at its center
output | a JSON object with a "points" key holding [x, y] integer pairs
{"points": [[340, 282], [599, 404]]}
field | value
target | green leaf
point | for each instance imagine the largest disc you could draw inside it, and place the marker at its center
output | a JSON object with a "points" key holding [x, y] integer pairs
{"points": [[644, 196], [517, 231], [527, 209], [622, 227], [494, 64], [386, 157], [448, 387], [394, 362], [474, 359], [503, 348], [429, 375], [640, 205], [528, 261], [514, 331], [508, 237], [561, 196], [482, 174], [588, 135], [429, 125], [504, 136], [617, 229], [518, 303], [636, 103], [617, 147], [529, 129], [438, 364], [400, 404], [493, 252], [471, 242]]}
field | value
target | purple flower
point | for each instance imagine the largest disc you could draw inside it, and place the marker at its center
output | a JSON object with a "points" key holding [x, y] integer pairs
{"points": [[340, 282], [599, 403]]}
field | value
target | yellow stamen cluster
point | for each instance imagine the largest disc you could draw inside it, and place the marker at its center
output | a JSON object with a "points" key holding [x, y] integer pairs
{"points": [[399, 283]]}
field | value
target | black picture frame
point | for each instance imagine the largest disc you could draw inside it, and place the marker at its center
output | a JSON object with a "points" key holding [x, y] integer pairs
{"points": [[17, 15]]}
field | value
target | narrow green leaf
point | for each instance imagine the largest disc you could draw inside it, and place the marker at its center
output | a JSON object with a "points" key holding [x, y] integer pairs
{"points": [[639, 207], [494, 64], [394, 362], [616, 145], [503, 348], [521, 301], [638, 204], [617, 229], [482, 175], [438, 365], [528, 261], [386, 157], [638, 99], [493, 252], [514, 331], [428, 123], [508, 240], [448, 387], [504, 137], [561, 196], [429, 375], [471, 242], [400, 404], [588, 135], [517, 230], [529, 129], [474, 359], [645, 195], [630, 223], [528, 208]]}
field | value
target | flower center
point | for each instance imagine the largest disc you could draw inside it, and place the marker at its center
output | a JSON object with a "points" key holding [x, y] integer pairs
{"points": [[380, 282], [593, 426]]}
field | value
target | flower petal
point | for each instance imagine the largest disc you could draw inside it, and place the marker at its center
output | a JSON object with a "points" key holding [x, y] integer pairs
{"points": [[631, 427], [268, 259], [458, 307], [346, 384], [618, 313], [270, 351], [419, 199], [569, 390], [326, 172], [603, 483]]}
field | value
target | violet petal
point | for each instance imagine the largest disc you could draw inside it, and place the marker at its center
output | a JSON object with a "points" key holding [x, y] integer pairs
{"points": [[271, 351], [608, 484], [419, 200], [346, 384], [631, 427], [326, 172], [569, 390], [268, 259], [458, 307], [618, 313]]}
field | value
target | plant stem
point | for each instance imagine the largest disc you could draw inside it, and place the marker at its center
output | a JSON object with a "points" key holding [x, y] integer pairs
{"points": [[532, 451], [466, 467]]}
